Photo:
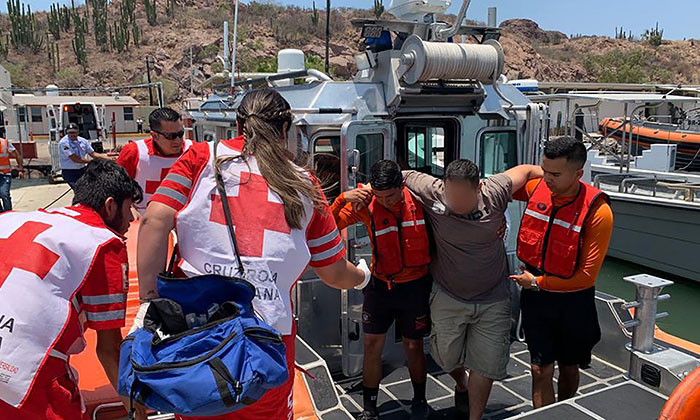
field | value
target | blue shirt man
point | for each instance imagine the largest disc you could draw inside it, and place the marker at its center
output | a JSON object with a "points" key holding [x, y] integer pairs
{"points": [[73, 152]]}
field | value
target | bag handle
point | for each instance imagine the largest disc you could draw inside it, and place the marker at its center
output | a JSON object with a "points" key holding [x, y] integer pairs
{"points": [[227, 210]]}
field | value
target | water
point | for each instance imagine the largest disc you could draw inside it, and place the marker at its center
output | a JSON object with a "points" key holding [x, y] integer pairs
{"points": [[683, 307]]}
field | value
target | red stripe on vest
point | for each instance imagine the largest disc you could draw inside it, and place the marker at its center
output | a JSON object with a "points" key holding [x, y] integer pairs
{"points": [[550, 238], [399, 243]]}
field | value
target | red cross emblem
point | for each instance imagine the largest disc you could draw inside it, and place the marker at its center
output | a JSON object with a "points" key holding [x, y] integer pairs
{"points": [[20, 251], [152, 186], [252, 215]]}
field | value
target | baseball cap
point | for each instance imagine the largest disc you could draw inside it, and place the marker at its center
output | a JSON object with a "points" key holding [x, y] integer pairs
{"points": [[72, 126]]}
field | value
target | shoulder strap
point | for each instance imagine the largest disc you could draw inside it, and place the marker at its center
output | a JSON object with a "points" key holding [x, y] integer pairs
{"points": [[227, 210]]}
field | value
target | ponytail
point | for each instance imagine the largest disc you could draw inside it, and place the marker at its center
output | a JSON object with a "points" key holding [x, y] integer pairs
{"points": [[262, 118]]}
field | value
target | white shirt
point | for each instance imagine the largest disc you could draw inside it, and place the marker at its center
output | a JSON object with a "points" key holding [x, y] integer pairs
{"points": [[79, 147]]}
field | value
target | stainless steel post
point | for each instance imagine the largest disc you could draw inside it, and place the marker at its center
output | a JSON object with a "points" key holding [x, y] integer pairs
{"points": [[645, 304]]}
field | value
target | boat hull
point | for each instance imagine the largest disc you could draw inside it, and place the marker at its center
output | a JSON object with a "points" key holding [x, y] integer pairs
{"points": [[656, 234]]}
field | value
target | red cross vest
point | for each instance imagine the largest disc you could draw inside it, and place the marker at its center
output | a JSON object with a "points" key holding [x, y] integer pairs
{"points": [[151, 170], [5, 167], [41, 270], [398, 243], [273, 254], [549, 239]]}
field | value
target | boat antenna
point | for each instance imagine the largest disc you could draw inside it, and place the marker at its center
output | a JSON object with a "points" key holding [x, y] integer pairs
{"points": [[235, 41], [328, 36]]}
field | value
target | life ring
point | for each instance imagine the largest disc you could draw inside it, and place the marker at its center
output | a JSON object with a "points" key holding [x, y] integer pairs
{"points": [[684, 402]]}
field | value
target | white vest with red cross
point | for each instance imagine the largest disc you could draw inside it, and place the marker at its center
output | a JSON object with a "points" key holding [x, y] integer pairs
{"points": [[273, 254], [399, 242], [151, 170], [549, 239], [41, 269]]}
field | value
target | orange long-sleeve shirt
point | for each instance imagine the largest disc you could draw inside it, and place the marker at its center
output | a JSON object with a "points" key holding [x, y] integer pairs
{"points": [[597, 230], [345, 215]]}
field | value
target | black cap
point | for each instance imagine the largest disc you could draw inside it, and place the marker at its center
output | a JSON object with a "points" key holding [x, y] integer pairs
{"points": [[72, 126]]}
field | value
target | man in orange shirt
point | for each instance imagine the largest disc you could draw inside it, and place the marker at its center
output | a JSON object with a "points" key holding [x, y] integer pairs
{"points": [[563, 239], [400, 284]]}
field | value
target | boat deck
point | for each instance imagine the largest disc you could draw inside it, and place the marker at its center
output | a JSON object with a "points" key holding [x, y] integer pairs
{"points": [[604, 394]]}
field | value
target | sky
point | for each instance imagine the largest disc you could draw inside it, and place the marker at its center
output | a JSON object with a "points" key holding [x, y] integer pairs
{"points": [[678, 18]]}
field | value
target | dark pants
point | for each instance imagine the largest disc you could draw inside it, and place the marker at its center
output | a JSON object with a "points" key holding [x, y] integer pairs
{"points": [[5, 201], [560, 326], [71, 176]]}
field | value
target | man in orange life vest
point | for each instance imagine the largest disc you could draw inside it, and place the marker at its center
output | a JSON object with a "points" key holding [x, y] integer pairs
{"points": [[563, 239], [7, 150], [59, 266], [148, 161], [400, 285]]}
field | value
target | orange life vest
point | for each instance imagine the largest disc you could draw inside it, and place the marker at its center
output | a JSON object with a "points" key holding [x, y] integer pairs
{"points": [[550, 237], [398, 243], [5, 167]]}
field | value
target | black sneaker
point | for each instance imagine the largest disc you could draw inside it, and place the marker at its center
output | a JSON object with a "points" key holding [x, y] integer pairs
{"points": [[462, 404], [419, 410], [368, 415]]}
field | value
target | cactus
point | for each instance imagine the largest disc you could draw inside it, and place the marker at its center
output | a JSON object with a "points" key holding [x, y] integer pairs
{"points": [[99, 23], [378, 8], [120, 37], [4, 47], [24, 31], [126, 28], [314, 15], [654, 36], [136, 33], [151, 17], [170, 8], [54, 21], [54, 58], [79, 43]]}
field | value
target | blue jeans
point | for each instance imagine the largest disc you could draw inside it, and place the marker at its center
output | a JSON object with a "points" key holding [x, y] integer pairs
{"points": [[5, 201]]}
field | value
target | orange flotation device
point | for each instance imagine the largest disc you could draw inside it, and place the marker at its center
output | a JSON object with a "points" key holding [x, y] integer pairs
{"points": [[684, 402]]}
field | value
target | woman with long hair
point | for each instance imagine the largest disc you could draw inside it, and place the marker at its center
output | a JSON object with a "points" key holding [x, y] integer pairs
{"points": [[281, 219]]}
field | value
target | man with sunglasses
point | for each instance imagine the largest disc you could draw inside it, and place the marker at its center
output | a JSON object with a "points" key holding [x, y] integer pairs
{"points": [[148, 161]]}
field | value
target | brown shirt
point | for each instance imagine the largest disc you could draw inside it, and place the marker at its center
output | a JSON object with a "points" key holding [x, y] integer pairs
{"points": [[469, 260]]}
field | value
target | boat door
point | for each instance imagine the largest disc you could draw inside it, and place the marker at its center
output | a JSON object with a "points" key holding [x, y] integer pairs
{"points": [[362, 144], [54, 137]]}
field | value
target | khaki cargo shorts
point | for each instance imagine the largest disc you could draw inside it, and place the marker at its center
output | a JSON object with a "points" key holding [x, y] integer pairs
{"points": [[471, 335]]}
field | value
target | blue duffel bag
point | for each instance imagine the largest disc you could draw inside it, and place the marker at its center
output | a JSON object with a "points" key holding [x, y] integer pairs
{"points": [[225, 363]]}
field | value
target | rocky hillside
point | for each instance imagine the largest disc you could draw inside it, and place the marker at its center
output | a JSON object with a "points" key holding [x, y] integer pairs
{"points": [[193, 32]]}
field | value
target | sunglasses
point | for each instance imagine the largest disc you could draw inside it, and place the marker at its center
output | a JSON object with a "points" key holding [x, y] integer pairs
{"points": [[171, 136]]}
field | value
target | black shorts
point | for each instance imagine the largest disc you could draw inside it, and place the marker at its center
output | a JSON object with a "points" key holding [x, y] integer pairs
{"points": [[561, 327], [406, 303]]}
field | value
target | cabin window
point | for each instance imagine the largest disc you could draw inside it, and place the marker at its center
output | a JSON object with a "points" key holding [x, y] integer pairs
{"points": [[427, 145], [371, 147], [128, 113], [36, 115], [498, 152], [326, 161], [22, 111]]}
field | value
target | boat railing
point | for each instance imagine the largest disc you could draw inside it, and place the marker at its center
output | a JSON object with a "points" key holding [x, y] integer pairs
{"points": [[627, 183]]}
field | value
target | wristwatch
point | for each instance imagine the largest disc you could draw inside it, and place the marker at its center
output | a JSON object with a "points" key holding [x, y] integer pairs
{"points": [[533, 285]]}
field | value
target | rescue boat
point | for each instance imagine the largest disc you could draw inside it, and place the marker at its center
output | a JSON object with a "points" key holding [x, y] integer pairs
{"points": [[412, 103], [645, 133]]}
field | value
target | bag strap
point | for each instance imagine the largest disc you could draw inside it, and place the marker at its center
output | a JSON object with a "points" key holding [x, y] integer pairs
{"points": [[173, 259], [227, 210]]}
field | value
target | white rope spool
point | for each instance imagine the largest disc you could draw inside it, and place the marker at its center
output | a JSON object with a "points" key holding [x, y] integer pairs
{"points": [[441, 60]]}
